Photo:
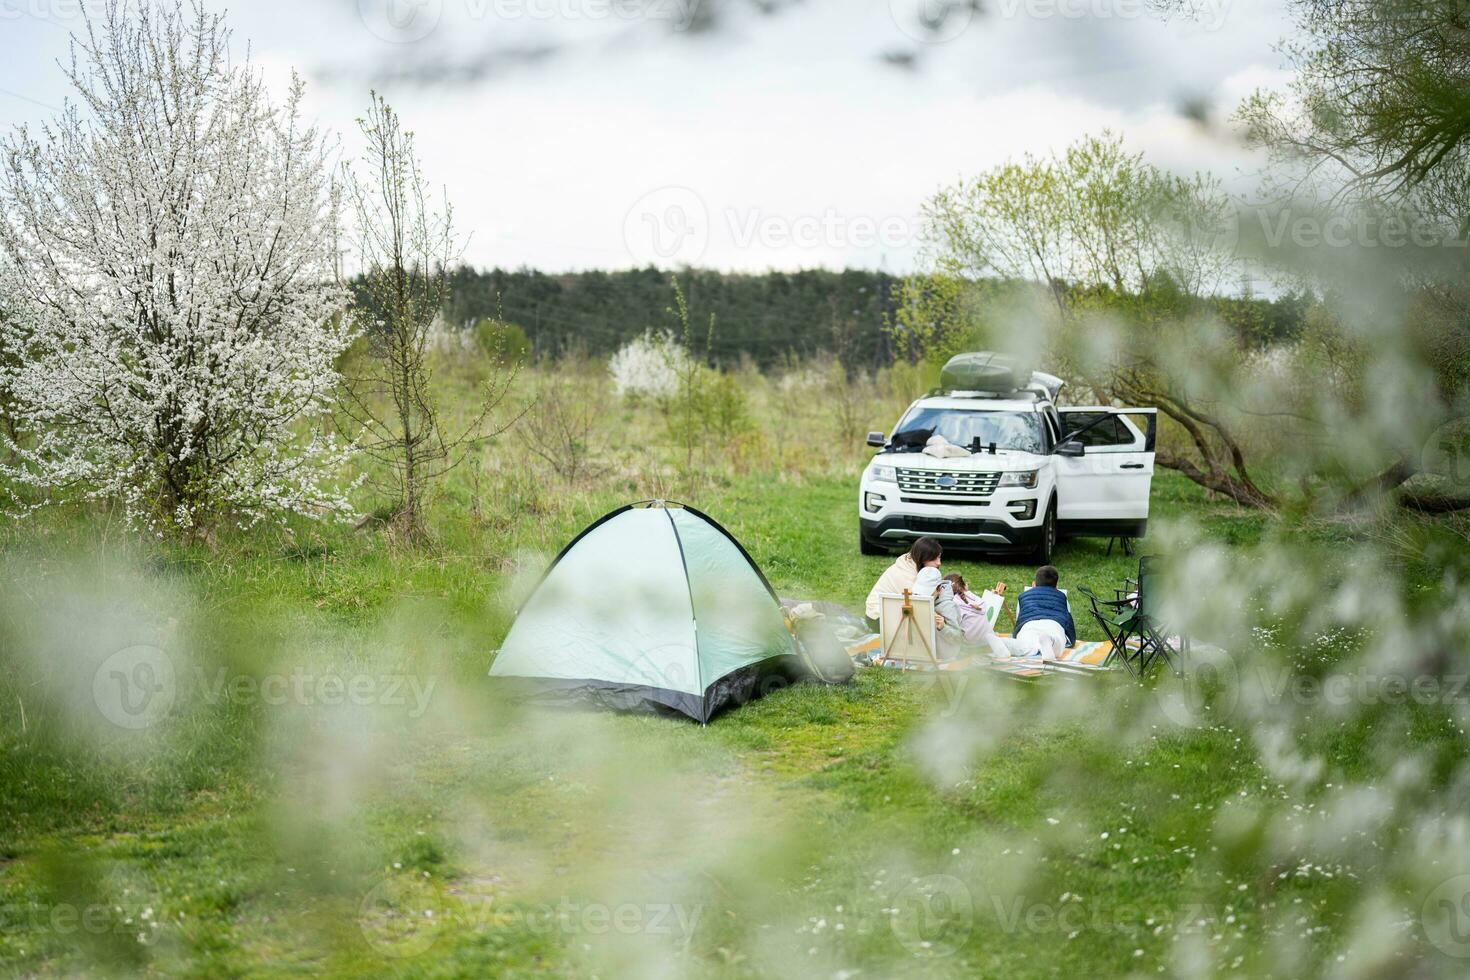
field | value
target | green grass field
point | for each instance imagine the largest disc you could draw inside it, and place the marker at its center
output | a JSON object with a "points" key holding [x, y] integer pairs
{"points": [[431, 827]]}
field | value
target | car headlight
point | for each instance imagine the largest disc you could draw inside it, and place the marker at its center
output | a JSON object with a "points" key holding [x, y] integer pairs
{"points": [[883, 474], [1019, 478]]}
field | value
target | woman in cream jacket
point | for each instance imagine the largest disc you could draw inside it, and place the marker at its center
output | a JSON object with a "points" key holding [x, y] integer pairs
{"points": [[925, 552]]}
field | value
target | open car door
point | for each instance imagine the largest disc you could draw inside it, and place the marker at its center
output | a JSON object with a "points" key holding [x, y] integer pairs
{"points": [[1105, 490]]}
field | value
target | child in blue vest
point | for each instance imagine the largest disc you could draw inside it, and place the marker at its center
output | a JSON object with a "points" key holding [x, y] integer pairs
{"points": [[1044, 625]]}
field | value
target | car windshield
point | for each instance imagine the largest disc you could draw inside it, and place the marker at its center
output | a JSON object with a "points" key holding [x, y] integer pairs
{"points": [[1020, 431]]}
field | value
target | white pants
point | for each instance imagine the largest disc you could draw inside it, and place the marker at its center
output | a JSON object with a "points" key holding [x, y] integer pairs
{"points": [[1040, 637]]}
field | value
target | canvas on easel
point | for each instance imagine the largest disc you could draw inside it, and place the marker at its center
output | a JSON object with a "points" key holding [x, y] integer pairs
{"points": [[906, 626], [910, 637]]}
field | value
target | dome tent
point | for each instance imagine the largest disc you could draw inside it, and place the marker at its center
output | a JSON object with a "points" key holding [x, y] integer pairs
{"points": [[653, 607]]}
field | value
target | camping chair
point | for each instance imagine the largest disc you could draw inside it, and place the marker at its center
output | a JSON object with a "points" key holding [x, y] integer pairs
{"points": [[1115, 617], [1131, 621], [1154, 634]]}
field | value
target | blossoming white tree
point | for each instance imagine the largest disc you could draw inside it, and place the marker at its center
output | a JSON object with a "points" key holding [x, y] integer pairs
{"points": [[176, 302], [8, 357], [649, 365]]}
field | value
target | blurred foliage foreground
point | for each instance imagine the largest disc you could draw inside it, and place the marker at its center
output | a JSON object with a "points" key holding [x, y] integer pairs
{"points": [[279, 753]]}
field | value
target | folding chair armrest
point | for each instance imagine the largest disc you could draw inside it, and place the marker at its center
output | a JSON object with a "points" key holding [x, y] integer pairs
{"points": [[1096, 600]]}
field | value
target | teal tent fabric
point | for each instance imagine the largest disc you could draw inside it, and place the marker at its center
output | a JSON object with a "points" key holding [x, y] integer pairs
{"points": [[651, 608]]}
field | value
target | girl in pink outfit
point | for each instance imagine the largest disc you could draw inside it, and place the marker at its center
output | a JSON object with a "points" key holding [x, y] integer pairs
{"points": [[974, 627]]}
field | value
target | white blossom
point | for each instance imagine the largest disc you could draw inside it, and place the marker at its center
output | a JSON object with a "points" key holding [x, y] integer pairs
{"points": [[172, 238], [648, 365]]}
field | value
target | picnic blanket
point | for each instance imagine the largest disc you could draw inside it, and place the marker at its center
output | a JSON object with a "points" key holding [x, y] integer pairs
{"points": [[866, 647], [1087, 656]]}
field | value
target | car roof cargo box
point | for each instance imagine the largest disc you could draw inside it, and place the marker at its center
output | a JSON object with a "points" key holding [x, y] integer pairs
{"points": [[985, 371]]}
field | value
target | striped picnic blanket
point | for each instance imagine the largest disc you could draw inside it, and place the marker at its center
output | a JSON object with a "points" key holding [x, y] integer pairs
{"points": [[1089, 656]]}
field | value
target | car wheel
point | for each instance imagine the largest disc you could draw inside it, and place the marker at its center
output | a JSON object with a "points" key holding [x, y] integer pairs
{"points": [[1048, 543], [867, 547]]}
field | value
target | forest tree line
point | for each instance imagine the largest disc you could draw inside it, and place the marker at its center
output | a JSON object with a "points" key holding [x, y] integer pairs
{"points": [[768, 318]]}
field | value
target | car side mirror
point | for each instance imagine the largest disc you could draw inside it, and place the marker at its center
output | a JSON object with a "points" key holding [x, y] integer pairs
{"points": [[876, 440], [1072, 448]]}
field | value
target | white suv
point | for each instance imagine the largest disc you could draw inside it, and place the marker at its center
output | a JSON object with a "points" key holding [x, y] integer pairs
{"points": [[1034, 471]]}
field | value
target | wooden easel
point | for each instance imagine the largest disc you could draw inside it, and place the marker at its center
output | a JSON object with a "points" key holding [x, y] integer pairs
{"points": [[1005, 610], [910, 624], [911, 640]]}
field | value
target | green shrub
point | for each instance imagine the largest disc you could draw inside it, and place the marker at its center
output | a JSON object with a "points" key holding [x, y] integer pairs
{"points": [[502, 340], [722, 404]]}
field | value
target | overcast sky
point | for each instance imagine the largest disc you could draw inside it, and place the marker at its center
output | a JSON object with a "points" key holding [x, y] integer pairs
{"points": [[575, 134]]}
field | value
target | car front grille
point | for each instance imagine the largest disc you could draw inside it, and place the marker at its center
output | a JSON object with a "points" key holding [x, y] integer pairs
{"points": [[941, 485], [940, 525]]}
